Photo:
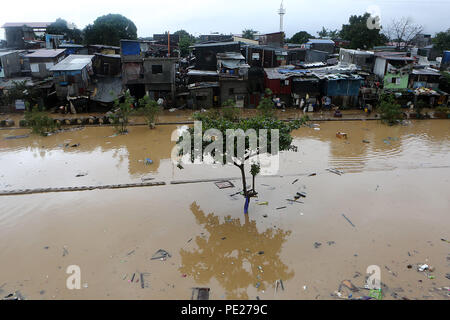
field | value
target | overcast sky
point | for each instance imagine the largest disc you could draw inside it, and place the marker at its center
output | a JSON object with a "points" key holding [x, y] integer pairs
{"points": [[226, 16]]}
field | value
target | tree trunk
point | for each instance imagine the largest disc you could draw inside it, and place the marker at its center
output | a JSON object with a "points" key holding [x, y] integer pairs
{"points": [[244, 182]]}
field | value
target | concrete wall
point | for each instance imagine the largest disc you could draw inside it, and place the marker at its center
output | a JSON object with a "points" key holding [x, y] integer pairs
{"points": [[233, 90], [159, 70], [10, 65]]}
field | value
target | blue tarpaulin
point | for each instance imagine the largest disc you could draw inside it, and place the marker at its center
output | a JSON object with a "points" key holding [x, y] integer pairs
{"points": [[131, 48]]}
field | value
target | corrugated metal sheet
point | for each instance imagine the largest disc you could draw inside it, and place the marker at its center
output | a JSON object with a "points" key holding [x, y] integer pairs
{"points": [[46, 53], [38, 25], [107, 90], [73, 62]]}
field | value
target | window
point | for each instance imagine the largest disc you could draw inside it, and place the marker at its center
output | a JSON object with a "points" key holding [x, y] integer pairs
{"points": [[157, 68], [231, 91], [395, 80]]}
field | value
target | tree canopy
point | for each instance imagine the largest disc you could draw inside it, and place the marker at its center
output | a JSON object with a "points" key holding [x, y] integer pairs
{"points": [[186, 40], [60, 26], [249, 34], [442, 40], [325, 33], [300, 37], [359, 35], [109, 30]]}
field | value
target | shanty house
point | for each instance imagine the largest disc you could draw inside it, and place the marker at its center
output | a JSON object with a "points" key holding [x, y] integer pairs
{"points": [[206, 53], [17, 34], [9, 64], [321, 45], [233, 74], [425, 77], [43, 59], [363, 59], [72, 76], [142, 73], [107, 80], [393, 69]]}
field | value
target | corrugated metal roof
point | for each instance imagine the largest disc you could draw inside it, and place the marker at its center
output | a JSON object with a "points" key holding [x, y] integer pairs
{"points": [[28, 24], [45, 53], [73, 62], [426, 72], [202, 73], [230, 56], [70, 45], [214, 44], [5, 53], [324, 41]]}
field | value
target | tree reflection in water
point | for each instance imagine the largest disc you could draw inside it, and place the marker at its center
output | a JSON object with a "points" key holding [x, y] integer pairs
{"points": [[238, 256]]}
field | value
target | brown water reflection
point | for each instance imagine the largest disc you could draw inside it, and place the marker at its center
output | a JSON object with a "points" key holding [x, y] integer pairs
{"points": [[108, 158], [237, 255]]}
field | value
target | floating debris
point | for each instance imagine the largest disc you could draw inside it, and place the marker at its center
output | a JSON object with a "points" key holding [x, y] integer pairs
{"points": [[335, 171], [161, 254], [200, 293], [224, 184], [348, 220]]}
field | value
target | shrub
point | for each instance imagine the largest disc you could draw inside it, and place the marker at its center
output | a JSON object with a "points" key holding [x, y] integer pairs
{"points": [[265, 106], [231, 113], [390, 111], [149, 109], [39, 121], [122, 112]]}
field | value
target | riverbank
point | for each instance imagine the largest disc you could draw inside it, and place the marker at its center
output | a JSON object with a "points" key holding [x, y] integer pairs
{"points": [[180, 117]]}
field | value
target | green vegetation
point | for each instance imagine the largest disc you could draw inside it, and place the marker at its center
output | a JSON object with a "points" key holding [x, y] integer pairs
{"points": [[186, 40], [359, 35], [21, 91], [122, 113], [442, 40], [265, 106], [149, 109], [60, 26], [256, 123], [39, 121], [390, 110], [249, 34], [300, 37], [109, 30]]}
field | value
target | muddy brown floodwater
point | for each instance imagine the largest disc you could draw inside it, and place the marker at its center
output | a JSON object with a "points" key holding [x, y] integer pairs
{"points": [[395, 190]]}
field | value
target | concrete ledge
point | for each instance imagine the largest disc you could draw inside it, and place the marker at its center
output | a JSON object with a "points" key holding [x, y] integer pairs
{"points": [[82, 188]]}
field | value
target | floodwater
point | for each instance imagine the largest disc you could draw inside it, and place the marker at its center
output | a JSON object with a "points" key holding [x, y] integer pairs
{"points": [[395, 190]]}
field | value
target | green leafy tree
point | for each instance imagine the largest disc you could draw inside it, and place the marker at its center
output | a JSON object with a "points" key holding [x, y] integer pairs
{"points": [[249, 34], [325, 33], [122, 112], [265, 106], [186, 40], [300, 37], [359, 35], [150, 109], [442, 40], [256, 123], [109, 30], [39, 121], [60, 26], [390, 110]]}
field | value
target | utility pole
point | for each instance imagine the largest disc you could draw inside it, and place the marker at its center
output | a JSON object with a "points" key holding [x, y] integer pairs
{"points": [[168, 43]]}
